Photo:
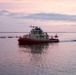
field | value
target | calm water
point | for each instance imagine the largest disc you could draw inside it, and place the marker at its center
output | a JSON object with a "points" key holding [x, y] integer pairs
{"points": [[42, 59]]}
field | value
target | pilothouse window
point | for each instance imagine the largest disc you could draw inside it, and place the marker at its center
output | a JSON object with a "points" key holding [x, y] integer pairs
{"points": [[36, 30]]}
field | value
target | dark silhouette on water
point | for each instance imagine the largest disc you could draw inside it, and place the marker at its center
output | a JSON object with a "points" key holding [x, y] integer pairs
{"points": [[36, 48]]}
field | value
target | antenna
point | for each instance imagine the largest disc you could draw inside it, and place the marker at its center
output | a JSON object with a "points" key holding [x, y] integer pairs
{"points": [[33, 26]]}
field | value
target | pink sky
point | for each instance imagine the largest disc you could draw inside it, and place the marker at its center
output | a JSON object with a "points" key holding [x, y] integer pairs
{"points": [[36, 6], [66, 7]]}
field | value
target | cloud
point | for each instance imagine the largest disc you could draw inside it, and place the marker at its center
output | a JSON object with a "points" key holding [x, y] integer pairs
{"points": [[11, 14], [4, 12], [41, 16], [51, 16]]}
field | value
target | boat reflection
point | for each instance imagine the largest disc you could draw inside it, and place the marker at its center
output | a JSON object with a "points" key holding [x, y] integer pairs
{"points": [[36, 48]]}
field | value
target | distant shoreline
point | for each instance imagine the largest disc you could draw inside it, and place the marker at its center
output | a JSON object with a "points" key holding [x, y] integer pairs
{"points": [[28, 32]]}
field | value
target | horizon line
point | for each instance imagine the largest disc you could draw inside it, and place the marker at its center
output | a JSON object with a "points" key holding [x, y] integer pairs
{"points": [[29, 32]]}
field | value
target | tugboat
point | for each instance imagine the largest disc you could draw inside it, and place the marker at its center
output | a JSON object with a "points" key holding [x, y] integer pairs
{"points": [[37, 36]]}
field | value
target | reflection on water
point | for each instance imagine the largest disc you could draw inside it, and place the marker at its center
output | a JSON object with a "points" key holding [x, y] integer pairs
{"points": [[41, 59], [38, 55], [49, 59], [36, 48], [34, 57]]}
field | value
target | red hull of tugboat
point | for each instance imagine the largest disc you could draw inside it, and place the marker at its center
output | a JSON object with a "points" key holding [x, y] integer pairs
{"points": [[30, 41]]}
